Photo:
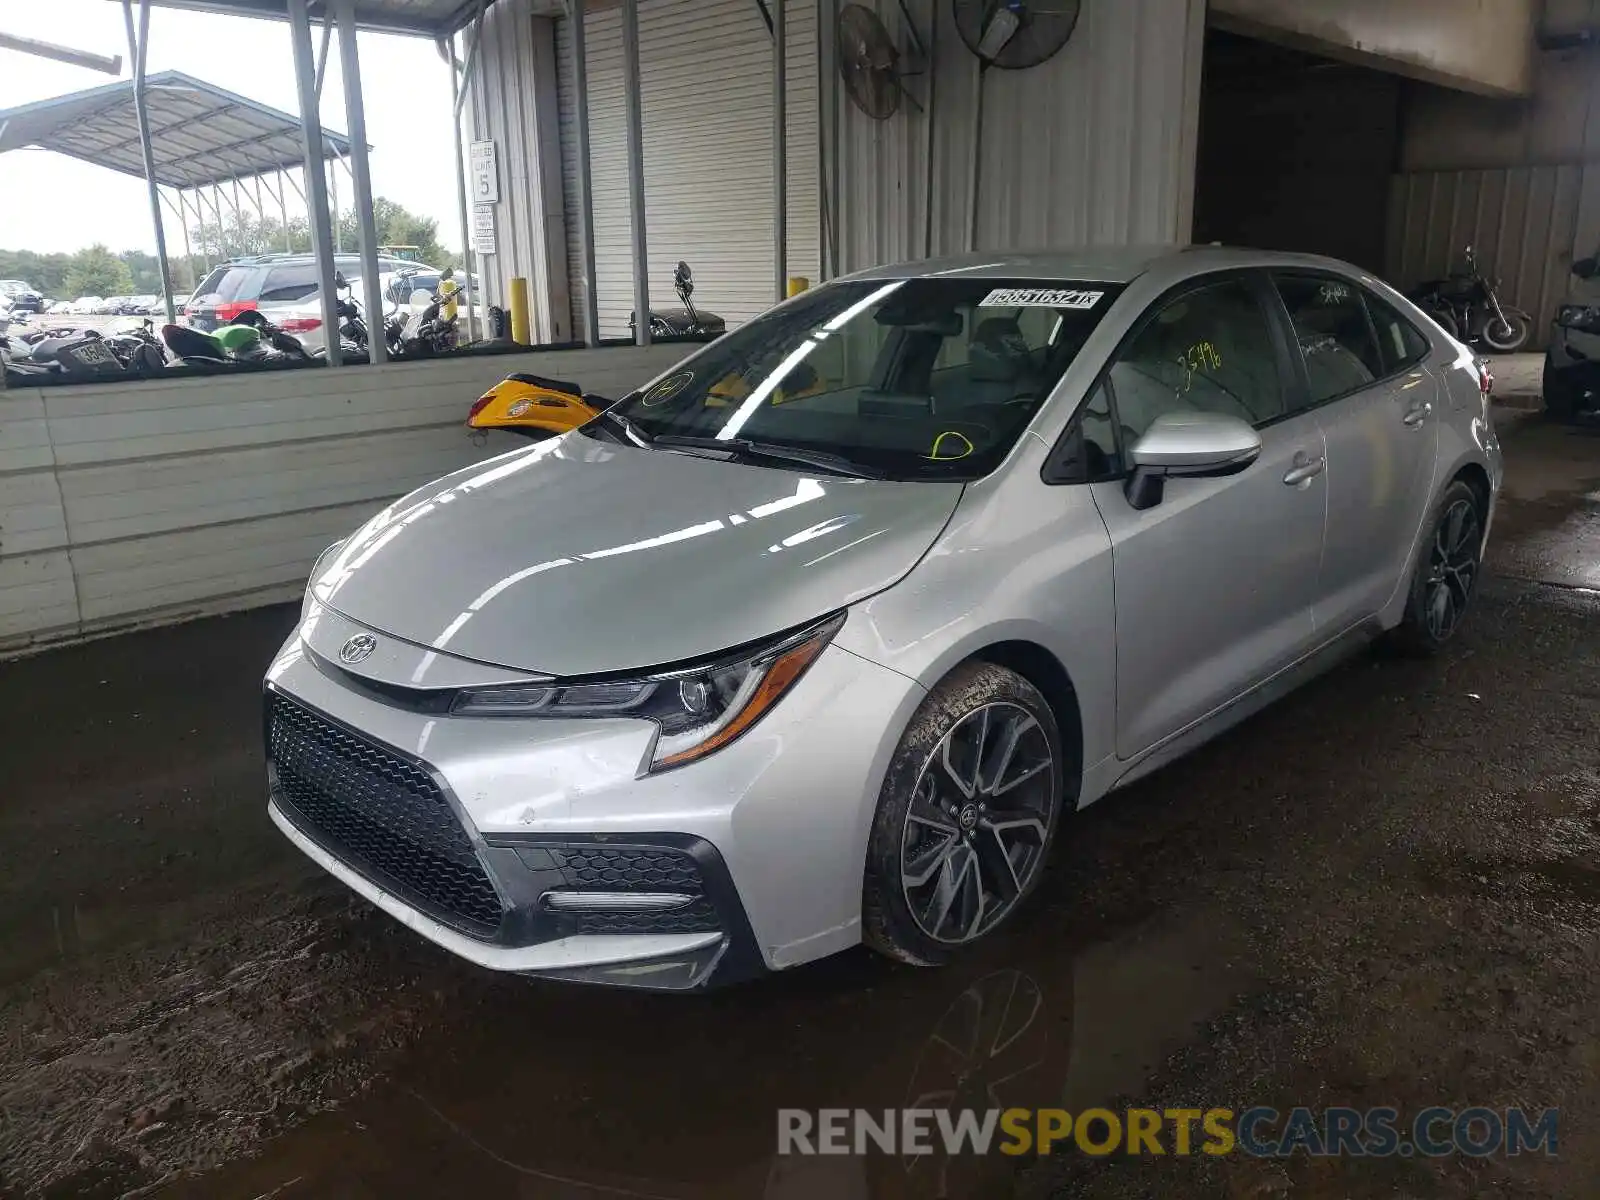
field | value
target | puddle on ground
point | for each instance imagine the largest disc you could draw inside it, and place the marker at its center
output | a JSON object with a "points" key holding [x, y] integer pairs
{"points": [[542, 1091]]}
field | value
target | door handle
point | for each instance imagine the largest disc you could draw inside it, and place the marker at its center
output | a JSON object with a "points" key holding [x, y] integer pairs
{"points": [[1416, 416], [1304, 469]]}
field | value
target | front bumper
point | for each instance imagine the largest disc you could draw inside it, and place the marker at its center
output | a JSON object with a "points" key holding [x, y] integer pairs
{"points": [[754, 854]]}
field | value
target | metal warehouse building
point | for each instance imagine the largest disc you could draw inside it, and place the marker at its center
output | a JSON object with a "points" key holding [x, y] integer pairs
{"points": [[1332, 125], [1387, 132]]}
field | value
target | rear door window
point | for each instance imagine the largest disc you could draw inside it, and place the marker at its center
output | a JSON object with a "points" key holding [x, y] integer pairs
{"points": [[1336, 339], [224, 283], [289, 284]]}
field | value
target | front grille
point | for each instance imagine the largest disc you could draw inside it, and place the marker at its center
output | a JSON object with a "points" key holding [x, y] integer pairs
{"points": [[601, 868], [383, 815]]}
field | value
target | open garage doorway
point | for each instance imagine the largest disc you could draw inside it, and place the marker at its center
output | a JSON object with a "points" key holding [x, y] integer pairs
{"points": [[1295, 152]]}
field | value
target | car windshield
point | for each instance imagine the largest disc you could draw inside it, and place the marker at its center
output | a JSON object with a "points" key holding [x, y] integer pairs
{"points": [[919, 378]]}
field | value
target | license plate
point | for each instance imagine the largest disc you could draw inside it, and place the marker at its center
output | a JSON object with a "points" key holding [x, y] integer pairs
{"points": [[94, 354]]}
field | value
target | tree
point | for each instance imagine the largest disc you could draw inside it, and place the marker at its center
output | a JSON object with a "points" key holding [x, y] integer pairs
{"points": [[246, 233], [96, 272]]}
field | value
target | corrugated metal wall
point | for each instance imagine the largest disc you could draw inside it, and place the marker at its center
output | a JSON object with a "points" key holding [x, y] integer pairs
{"points": [[511, 101], [130, 504], [1096, 145], [1520, 181], [707, 106], [1523, 223]]}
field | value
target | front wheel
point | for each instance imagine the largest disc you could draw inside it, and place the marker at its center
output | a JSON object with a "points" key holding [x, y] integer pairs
{"points": [[966, 816], [1509, 334], [1446, 574]]}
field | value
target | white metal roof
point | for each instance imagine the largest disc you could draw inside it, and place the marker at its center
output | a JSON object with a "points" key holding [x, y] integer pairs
{"points": [[199, 133], [429, 18]]}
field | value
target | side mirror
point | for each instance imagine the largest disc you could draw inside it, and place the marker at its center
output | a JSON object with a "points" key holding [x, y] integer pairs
{"points": [[447, 273], [1188, 445], [1586, 268], [339, 281], [682, 274]]}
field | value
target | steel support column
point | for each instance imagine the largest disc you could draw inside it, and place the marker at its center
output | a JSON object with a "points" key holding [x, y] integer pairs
{"points": [[448, 47], [360, 173], [283, 209], [316, 182], [780, 149], [635, 113], [136, 51], [580, 91]]}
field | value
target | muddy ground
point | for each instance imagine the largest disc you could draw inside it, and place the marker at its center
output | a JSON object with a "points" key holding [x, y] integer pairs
{"points": [[1384, 890]]}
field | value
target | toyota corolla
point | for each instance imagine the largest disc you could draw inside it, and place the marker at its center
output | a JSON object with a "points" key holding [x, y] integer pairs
{"points": [[713, 686]]}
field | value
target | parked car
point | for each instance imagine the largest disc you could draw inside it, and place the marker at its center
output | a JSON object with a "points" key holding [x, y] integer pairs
{"points": [[705, 688], [1572, 360], [84, 305], [283, 287], [21, 296], [143, 306]]}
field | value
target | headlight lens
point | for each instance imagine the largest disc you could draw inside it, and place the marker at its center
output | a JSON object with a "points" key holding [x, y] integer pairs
{"points": [[699, 709], [316, 570], [1579, 316]]}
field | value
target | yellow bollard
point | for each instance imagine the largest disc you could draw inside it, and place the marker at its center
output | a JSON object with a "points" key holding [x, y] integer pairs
{"points": [[519, 311], [798, 284]]}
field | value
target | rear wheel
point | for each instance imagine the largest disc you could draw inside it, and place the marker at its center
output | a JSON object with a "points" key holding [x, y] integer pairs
{"points": [[966, 816], [1446, 574]]}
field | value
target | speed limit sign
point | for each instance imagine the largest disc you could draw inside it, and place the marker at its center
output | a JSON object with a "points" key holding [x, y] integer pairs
{"points": [[485, 181]]}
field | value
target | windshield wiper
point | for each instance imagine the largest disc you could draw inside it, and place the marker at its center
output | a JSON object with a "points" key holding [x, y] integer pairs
{"points": [[836, 464], [633, 432]]}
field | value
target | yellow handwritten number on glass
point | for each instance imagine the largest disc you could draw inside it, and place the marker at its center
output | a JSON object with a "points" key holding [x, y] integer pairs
{"points": [[1202, 356]]}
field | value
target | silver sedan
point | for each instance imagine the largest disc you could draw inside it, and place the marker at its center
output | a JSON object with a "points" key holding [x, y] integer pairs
{"points": [[815, 638]]}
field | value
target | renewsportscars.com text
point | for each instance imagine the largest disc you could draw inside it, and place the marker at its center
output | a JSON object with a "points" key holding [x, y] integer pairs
{"points": [[1259, 1131]]}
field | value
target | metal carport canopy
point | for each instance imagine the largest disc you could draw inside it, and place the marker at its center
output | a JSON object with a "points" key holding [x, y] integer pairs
{"points": [[201, 134], [424, 18]]}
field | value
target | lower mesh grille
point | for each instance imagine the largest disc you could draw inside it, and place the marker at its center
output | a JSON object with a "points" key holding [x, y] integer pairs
{"points": [[638, 869], [383, 815]]}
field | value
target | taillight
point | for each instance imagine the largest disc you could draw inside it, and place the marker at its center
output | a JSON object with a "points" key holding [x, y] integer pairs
{"points": [[482, 403], [230, 309], [300, 324]]}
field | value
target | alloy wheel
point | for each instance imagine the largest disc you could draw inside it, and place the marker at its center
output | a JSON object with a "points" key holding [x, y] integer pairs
{"points": [[1452, 568], [978, 823]]}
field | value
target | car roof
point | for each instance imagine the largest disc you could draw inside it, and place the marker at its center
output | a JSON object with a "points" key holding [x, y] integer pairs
{"points": [[1101, 264]]}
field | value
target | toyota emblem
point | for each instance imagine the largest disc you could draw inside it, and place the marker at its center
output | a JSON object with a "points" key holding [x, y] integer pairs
{"points": [[358, 649]]}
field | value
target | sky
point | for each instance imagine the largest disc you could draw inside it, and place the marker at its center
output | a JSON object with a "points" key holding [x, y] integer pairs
{"points": [[49, 202]]}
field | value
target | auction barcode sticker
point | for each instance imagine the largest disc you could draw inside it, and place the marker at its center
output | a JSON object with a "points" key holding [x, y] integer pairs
{"points": [[1040, 298]]}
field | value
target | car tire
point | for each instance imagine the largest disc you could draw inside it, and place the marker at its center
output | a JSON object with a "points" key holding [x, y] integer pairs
{"points": [[1446, 574], [953, 855], [1561, 393]]}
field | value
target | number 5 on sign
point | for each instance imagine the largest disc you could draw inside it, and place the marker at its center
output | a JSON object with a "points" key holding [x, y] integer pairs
{"points": [[485, 180]]}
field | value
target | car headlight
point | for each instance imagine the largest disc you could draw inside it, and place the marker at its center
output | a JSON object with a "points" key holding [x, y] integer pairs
{"points": [[316, 570], [1579, 316], [699, 709]]}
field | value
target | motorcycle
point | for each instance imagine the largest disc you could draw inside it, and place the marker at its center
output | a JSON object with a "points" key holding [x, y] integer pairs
{"points": [[54, 353], [687, 321], [250, 339], [1467, 306], [354, 333], [431, 327], [535, 407]]}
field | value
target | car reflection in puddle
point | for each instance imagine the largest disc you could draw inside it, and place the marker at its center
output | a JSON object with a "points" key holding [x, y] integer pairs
{"points": [[574, 1093]]}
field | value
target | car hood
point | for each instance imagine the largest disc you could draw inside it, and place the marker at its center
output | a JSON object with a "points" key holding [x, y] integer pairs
{"points": [[577, 556]]}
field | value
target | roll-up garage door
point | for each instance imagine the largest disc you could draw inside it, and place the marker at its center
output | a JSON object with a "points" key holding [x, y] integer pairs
{"points": [[707, 98]]}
